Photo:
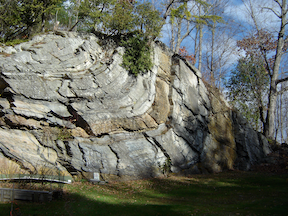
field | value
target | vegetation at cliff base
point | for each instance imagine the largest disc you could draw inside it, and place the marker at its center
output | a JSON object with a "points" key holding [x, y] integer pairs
{"points": [[233, 193]]}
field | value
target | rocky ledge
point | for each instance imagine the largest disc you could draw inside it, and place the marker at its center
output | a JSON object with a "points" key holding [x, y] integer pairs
{"points": [[67, 104]]}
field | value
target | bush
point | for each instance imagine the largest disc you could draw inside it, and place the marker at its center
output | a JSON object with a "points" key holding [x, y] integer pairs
{"points": [[137, 56], [138, 23]]}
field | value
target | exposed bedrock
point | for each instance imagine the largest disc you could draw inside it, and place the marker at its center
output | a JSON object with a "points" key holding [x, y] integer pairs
{"points": [[67, 103]]}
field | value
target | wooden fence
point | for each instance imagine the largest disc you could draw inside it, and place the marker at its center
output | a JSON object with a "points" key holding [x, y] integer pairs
{"points": [[10, 194]]}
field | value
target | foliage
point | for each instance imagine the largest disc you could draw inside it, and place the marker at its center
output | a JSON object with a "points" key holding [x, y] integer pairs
{"points": [[148, 20], [93, 13], [138, 24], [15, 42], [24, 17], [182, 11], [166, 167], [249, 82], [147, 27], [248, 86], [259, 46], [122, 19], [63, 133], [137, 57], [185, 54], [9, 18]]}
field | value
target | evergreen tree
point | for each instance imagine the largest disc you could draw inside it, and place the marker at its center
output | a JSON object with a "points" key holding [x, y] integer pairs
{"points": [[137, 25], [24, 17], [10, 21]]}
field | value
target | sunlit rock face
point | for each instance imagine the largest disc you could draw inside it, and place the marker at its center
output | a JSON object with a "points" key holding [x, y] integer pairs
{"points": [[68, 104]]}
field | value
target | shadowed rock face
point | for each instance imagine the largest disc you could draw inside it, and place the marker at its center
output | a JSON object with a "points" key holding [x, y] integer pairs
{"points": [[67, 103]]}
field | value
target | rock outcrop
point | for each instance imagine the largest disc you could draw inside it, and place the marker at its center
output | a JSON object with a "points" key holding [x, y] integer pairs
{"points": [[67, 103]]}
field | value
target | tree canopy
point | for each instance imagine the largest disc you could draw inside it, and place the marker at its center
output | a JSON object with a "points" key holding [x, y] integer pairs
{"points": [[21, 18], [248, 88]]}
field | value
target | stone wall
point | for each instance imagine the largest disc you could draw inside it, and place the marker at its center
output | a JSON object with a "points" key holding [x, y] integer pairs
{"points": [[66, 103]]}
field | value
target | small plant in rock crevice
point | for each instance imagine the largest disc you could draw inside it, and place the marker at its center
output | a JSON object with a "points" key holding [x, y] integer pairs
{"points": [[64, 133], [166, 167]]}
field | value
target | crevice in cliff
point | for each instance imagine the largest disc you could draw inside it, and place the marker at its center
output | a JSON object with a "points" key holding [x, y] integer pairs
{"points": [[118, 159], [187, 141], [67, 165], [33, 98], [68, 149], [79, 121], [82, 152], [155, 142], [63, 160], [170, 99], [6, 92], [3, 85]]}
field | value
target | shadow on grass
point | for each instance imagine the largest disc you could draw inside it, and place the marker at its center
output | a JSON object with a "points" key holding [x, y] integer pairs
{"points": [[221, 194]]}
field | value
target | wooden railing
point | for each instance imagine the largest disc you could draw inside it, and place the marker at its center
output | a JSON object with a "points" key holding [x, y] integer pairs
{"points": [[36, 178], [11, 194]]}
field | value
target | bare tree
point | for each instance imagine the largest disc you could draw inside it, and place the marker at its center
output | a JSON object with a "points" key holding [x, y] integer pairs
{"points": [[219, 45], [183, 18], [280, 11]]}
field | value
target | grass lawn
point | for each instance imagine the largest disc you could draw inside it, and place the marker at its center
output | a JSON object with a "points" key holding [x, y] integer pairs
{"points": [[232, 193]]}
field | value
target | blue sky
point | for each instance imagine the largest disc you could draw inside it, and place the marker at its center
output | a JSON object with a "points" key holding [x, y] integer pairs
{"points": [[235, 13]]}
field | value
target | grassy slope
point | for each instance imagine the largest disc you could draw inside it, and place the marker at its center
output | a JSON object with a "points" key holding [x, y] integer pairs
{"points": [[234, 193]]}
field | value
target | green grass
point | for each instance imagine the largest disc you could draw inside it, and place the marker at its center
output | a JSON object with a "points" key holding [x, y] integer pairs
{"points": [[233, 193]]}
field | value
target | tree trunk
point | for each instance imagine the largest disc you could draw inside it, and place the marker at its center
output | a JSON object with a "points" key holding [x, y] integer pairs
{"points": [[172, 41], [43, 23], [178, 43], [77, 14], [272, 101], [212, 56], [200, 47]]}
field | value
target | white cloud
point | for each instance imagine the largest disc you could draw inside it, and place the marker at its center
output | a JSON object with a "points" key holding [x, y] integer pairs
{"points": [[265, 18]]}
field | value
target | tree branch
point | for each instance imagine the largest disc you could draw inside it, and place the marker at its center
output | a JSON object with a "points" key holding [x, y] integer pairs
{"points": [[71, 29], [167, 9], [285, 24], [282, 91], [277, 1], [285, 12], [187, 32], [267, 62], [282, 80], [271, 9]]}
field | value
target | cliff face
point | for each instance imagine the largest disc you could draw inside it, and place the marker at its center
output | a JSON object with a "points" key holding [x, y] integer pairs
{"points": [[67, 104]]}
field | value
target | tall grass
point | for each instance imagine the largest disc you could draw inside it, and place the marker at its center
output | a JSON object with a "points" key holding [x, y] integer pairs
{"points": [[9, 168]]}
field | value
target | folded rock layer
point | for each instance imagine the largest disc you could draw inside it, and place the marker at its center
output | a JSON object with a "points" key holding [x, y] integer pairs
{"points": [[68, 104]]}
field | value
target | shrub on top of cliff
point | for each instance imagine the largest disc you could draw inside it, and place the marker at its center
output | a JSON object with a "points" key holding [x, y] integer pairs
{"points": [[137, 24], [147, 26], [114, 17], [137, 54], [15, 42]]}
